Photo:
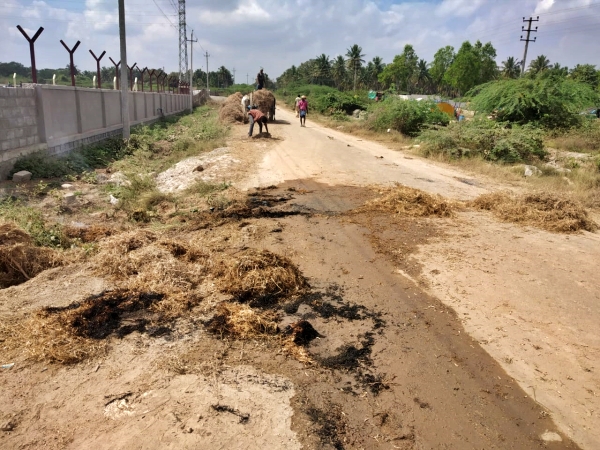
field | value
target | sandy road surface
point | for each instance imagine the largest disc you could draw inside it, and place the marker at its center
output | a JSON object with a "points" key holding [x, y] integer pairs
{"points": [[530, 298]]}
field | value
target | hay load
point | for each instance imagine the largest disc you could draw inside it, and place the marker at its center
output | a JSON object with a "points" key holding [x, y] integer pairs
{"points": [[265, 102], [231, 110]]}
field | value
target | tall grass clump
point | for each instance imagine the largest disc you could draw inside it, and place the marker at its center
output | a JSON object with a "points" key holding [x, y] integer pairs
{"points": [[492, 141], [409, 117]]}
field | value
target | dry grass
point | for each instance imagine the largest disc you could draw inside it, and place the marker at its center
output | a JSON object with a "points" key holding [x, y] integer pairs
{"points": [[242, 322], [80, 331], [93, 233], [20, 259], [264, 101], [552, 212], [261, 277], [143, 260], [406, 201], [231, 110]]}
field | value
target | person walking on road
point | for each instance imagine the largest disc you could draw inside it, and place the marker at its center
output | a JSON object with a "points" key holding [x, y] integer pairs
{"points": [[296, 105], [255, 116], [303, 110], [260, 80]]}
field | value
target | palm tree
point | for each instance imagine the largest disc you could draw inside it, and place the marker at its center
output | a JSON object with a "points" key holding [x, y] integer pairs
{"points": [[539, 64], [339, 71], [423, 76], [377, 67], [354, 61], [322, 69], [511, 68]]}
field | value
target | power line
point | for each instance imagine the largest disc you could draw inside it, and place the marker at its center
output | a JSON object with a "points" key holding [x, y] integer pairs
{"points": [[163, 13]]}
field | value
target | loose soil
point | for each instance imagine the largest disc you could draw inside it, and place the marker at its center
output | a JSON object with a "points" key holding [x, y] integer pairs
{"points": [[316, 319]]}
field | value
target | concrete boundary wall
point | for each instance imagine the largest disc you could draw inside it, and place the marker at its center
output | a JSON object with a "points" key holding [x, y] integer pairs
{"points": [[60, 119]]}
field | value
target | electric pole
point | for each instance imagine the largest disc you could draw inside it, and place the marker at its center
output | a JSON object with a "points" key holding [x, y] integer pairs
{"points": [[191, 41], [246, 78], [207, 87], [124, 69], [527, 40], [183, 56], [233, 75]]}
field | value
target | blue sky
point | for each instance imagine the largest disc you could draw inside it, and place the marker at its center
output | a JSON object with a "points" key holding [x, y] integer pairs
{"points": [[275, 34]]}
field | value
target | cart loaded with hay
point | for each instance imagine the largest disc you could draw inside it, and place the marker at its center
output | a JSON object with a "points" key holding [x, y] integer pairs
{"points": [[234, 108]]}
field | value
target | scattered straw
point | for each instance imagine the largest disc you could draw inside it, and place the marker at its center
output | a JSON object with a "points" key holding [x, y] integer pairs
{"points": [[261, 276], [406, 201], [298, 352], [20, 260], [92, 233], [242, 322], [142, 260], [543, 210]]}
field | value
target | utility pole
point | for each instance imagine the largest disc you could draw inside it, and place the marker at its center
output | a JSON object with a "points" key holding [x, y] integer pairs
{"points": [[124, 69], [207, 87], [233, 75], [183, 56], [191, 41], [247, 78], [527, 40]]}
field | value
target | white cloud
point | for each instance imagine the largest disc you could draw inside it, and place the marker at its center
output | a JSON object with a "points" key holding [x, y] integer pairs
{"points": [[276, 34]]}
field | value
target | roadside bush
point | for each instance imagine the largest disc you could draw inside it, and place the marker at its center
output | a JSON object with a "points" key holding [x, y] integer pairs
{"points": [[485, 138], [552, 102], [409, 117], [323, 99], [585, 138]]}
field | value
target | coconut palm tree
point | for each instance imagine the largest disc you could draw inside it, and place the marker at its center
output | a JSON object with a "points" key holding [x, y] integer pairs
{"points": [[511, 68], [539, 64], [322, 69], [354, 61], [376, 67], [423, 76], [339, 72]]}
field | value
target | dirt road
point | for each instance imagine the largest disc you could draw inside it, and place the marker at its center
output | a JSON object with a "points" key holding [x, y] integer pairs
{"points": [[432, 332], [529, 297]]}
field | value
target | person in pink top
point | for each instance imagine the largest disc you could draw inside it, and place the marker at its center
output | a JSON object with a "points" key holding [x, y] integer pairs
{"points": [[303, 109]]}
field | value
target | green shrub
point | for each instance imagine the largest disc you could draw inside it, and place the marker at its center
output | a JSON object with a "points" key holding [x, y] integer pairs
{"points": [[490, 140], [552, 102], [409, 117], [323, 99]]}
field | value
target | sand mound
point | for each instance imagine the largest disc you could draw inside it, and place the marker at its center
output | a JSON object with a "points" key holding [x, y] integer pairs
{"points": [[406, 201], [541, 210], [261, 277], [20, 260], [231, 109]]}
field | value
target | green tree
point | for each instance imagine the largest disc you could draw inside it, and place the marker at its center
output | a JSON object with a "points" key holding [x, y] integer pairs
{"points": [[376, 67], [402, 70], [585, 73], [538, 65], [423, 76], [442, 61], [322, 70], [464, 72], [488, 70], [511, 68], [339, 72], [354, 60]]}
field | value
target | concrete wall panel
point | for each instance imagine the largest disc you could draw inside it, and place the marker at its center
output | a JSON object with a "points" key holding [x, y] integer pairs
{"points": [[60, 113], [90, 104], [112, 105]]}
